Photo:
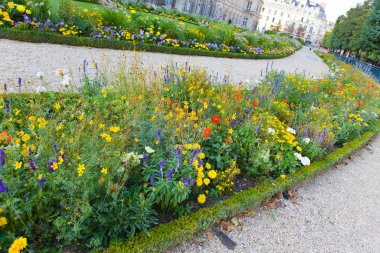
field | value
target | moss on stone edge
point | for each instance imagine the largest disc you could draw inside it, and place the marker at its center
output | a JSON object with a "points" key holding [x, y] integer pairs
{"points": [[52, 38], [168, 235]]}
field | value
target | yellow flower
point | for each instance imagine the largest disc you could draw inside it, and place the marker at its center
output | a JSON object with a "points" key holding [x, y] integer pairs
{"points": [[3, 221], [17, 165], [133, 11], [54, 166], [212, 174], [208, 166], [114, 129], [199, 182], [283, 176], [28, 12], [25, 138], [57, 106], [201, 198], [206, 181], [104, 171], [299, 148], [10, 5], [201, 155], [230, 131], [21, 8], [18, 245], [80, 169]]}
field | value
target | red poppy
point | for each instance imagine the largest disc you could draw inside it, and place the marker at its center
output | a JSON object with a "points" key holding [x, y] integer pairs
{"points": [[207, 132], [168, 102], [285, 101], [356, 105], [228, 139], [315, 87], [238, 96], [291, 105], [361, 102], [255, 103], [215, 119]]}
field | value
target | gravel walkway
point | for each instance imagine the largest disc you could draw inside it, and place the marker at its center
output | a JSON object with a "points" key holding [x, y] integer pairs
{"points": [[338, 211], [24, 60]]}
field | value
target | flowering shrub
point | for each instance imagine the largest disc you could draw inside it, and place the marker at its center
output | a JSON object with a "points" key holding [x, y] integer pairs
{"points": [[81, 169], [161, 30]]}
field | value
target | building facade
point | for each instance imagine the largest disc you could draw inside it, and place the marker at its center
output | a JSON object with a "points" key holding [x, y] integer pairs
{"points": [[241, 13], [301, 18]]}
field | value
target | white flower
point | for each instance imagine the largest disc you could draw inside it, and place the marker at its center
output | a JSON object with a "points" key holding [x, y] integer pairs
{"points": [[132, 158], [271, 131], [40, 75], [305, 161], [149, 150], [41, 89], [66, 80], [306, 140], [291, 130], [298, 155]]}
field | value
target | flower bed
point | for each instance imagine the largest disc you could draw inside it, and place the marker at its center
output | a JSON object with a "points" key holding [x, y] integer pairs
{"points": [[121, 155], [135, 28]]}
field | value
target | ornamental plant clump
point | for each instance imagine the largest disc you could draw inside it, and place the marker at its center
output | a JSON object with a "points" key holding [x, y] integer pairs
{"points": [[167, 30], [123, 153]]}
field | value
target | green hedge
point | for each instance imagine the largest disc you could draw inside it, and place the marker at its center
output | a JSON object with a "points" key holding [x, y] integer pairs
{"points": [[36, 36], [168, 235]]}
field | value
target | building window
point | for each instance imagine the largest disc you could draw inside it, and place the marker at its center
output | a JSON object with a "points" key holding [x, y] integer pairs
{"points": [[249, 6], [275, 12], [302, 19], [245, 22], [311, 29], [263, 9], [273, 20]]}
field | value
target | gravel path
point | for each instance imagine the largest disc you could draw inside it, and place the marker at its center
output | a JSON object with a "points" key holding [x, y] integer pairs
{"points": [[338, 211], [24, 60]]}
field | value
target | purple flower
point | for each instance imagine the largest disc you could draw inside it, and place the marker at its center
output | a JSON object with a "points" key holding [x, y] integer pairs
{"points": [[2, 158], [169, 174], [32, 165], [159, 137], [145, 159], [2, 187], [41, 182]]}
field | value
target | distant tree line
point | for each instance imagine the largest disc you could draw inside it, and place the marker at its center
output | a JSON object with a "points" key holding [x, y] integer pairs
{"points": [[357, 34]]}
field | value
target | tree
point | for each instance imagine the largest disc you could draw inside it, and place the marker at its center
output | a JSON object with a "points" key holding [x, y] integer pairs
{"points": [[290, 28], [300, 31], [326, 41], [370, 36]]}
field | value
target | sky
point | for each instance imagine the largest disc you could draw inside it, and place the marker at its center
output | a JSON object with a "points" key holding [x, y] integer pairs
{"points": [[335, 8]]}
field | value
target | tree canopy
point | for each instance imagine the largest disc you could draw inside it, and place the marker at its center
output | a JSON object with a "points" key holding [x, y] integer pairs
{"points": [[357, 32]]}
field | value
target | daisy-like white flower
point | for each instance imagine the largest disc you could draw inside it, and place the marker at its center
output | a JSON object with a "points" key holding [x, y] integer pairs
{"points": [[291, 130], [149, 150], [271, 131]]}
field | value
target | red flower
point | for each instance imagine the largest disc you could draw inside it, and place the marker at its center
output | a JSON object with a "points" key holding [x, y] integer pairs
{"points": [[207, 132], [291, 105], [215, 119], [255, 103], [228, 139], [315, 87], [238, 96]]}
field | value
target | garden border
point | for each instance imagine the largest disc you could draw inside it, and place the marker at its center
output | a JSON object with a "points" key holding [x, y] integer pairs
{"points": [[168, 235], [52, 38]]}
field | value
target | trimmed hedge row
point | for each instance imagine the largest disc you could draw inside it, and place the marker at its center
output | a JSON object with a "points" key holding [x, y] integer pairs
{"points": [[36, 36], [168, 235]]}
